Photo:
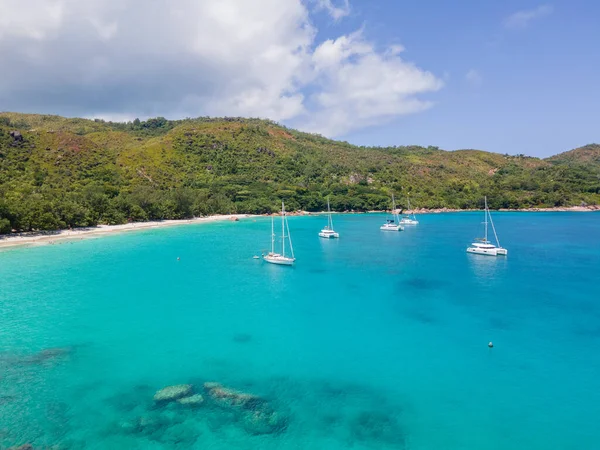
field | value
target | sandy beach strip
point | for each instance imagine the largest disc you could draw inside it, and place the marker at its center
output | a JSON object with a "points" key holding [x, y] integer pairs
{"points": [[51, 237]]}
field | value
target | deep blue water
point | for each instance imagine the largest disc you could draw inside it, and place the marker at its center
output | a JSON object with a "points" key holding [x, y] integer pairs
{"points": [[373, 341]]}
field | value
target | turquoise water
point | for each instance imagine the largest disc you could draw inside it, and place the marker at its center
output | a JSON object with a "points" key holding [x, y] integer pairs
{"points": [[373, 341]]}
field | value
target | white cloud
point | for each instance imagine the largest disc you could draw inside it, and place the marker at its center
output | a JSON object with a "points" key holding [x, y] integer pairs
{"points": [[119, 58], [33, 19], [474, 78], [360, 87], [521, 19], [336, 12]]}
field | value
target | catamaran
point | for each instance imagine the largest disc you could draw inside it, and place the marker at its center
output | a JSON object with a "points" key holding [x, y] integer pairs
{"points": [[280, 258], [409, 219], [328, 232], [482, 246], [393, 223]]}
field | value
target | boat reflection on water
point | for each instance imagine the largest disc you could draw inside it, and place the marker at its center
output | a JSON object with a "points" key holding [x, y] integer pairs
{"points": [[486, 268]]}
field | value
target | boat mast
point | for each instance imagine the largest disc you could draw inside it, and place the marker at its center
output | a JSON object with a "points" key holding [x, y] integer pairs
{"points": [[413, 212], [282, 229], [290, 238], [394, 208], [330, 220], [272, 234], [486, 217], [493, 227]]}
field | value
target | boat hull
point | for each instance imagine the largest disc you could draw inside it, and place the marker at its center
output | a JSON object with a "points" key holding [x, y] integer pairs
{"points": [[409, 222], [391, 228], [329, 235], [280, 260], [488, 251], [482, 251]]}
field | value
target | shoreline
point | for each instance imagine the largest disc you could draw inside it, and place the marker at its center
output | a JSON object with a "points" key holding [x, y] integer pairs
{"points": [[593, 208], [33, 238], [27, 239]]}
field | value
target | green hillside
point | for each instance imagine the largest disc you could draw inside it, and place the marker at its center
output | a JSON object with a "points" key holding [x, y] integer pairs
{"points": [[57, 172]]}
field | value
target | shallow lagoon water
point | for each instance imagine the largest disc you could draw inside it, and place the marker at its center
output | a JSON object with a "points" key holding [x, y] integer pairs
{"points": [[375, 340]]}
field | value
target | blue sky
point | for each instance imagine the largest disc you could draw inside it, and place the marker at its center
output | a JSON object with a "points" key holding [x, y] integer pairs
{"points": [[536, 89], [509, 77]]}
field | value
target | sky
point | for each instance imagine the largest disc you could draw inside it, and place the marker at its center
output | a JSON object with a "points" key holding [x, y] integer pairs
{"points": [[509, 77]]}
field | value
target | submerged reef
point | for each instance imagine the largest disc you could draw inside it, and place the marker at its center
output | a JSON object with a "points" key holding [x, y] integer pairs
{"points": [[180, 414], [260, 412]]}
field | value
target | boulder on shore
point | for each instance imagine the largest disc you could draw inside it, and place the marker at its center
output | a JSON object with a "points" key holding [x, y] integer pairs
{"points": [[172, 393]]}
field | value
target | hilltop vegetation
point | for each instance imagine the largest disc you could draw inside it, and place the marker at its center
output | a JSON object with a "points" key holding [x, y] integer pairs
{"points": [[57, 172]]}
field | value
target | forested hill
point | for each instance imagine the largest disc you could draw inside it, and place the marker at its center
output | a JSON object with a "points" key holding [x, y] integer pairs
{"points": [[57, 172]]}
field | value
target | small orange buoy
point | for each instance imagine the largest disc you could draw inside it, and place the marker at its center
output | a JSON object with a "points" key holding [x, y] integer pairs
{"points": [[490, 344]]}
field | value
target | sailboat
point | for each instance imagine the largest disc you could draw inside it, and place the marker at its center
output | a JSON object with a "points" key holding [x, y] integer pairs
{"points": [[280, 258], [482, 246], [409, 219], [328, 232], [393, 223]]}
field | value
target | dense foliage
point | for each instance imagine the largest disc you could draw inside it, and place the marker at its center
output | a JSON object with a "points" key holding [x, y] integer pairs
{"points": [[58, 173]]}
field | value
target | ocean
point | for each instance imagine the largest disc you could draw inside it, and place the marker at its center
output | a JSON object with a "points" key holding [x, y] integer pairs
{"points": [[378, 340]]}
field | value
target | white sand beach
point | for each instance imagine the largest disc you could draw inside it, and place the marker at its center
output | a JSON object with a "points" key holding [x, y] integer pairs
{"points": [[51, 237]]}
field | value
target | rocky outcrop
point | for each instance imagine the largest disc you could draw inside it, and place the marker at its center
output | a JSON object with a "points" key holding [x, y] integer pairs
{"points": [[17, 136], [191, 401], [263, 420], [167, 418], [256, 415], [229, 398], [172, 393]]}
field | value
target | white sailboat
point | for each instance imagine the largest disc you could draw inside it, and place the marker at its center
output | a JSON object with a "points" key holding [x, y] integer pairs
{"points": [[280, 258], [328, 232], [392, 224], [409, 219], [482, 246]]}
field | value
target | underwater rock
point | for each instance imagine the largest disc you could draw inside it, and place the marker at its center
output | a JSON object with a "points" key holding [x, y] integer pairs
{"points": [[7, 399], [255, 414], [211, 385], [230, 398], [263, 420], [172, 393], [192, 400], [242, 338], [150, 424], [147, 424], [377, 427], [180, 436], [22, 447], [137, 398], [49, 354], [127, 426]]}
